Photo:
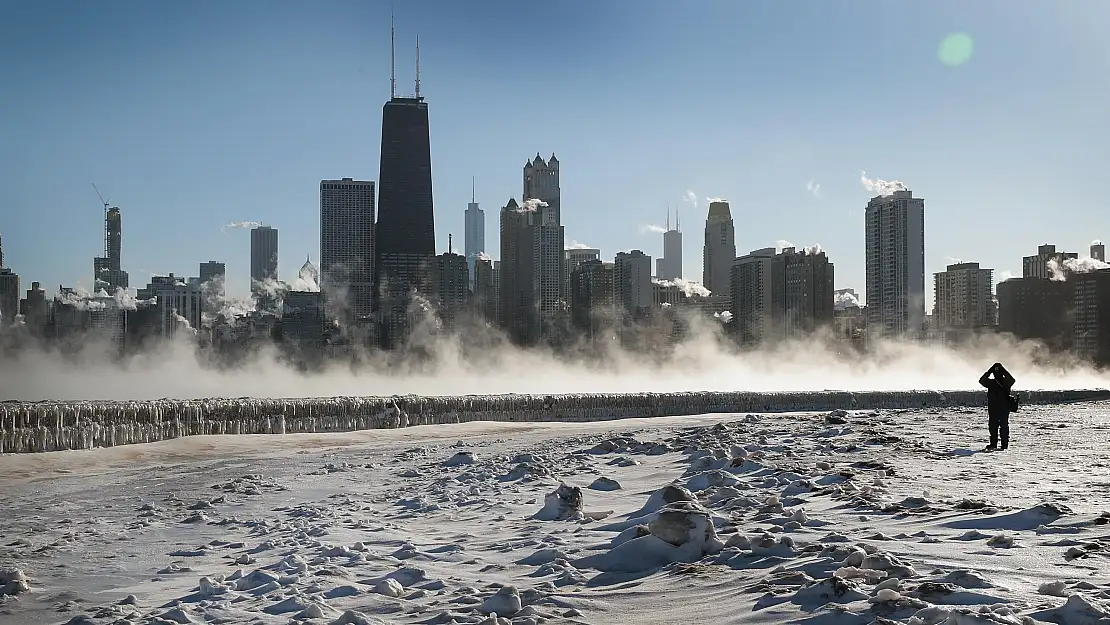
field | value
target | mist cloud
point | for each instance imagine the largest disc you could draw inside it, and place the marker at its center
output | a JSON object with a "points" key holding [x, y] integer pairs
{"points": [[652, 228], [881, 187], [575, 245], [711, 200], [814, 187], [704, 361]]}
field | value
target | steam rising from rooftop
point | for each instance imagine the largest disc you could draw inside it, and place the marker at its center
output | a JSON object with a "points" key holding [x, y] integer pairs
{"points": [[880, 187], [689, 287]]}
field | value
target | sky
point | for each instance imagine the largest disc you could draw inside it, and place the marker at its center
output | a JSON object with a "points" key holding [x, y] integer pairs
{"points": [[189, 116]]}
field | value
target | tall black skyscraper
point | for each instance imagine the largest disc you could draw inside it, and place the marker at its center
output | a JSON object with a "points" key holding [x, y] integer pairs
{"points": [[405, 231]]}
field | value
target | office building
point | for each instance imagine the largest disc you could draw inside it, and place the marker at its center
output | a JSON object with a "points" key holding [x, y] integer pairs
{"points": [[592, 288], [485, 289], [719, 250], [405, 227], [518, 301], [1098, 251], [669, 267], [451, 287], [474, 238], [347, 239], [264, 257]]}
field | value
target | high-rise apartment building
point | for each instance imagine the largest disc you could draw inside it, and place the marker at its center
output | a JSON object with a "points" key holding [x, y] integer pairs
{"points": [[574, 258], [787, 295], [632, 285], [750, 290], [895, 264], [347, 240], [264, 256], [964, 295], [405, 230], [719, 250], [1037, 309], [1092, 316], [802, 285], [474, 237], [1098, 251], [1047, 263]]}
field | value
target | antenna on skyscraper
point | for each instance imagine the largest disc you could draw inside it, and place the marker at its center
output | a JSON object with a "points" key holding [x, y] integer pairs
{"points": [[677, 226], [472, 189], [392, 59], [418, 67], [668, 216], [450, 244]]}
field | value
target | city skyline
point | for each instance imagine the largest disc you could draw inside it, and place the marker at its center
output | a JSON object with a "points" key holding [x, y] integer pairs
{"points": [[804, 186]]}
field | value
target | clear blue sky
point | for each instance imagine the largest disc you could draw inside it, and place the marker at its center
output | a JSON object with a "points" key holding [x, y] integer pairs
{"points": [[192, 115]]}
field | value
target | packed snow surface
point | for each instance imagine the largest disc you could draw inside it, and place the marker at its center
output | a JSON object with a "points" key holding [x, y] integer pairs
{"points": [[885, 516]]}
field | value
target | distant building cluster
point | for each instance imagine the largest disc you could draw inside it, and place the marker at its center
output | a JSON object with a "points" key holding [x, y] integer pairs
{"points": [[380, 279]]}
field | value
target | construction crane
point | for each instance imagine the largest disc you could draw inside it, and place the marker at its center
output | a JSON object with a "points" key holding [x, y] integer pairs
{"points": [[105, 203]]}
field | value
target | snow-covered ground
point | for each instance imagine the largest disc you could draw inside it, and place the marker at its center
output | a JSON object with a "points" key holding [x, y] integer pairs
{"points": [[806, 518]]}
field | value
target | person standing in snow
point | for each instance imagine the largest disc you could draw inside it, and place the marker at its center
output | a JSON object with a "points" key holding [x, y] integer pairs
{"points": [[999, 404]]}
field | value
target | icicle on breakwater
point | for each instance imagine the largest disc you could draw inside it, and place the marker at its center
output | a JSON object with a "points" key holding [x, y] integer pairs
{"points": [[61, 425]]}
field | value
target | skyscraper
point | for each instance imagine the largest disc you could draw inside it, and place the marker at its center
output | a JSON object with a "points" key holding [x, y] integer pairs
{"points": [[347, 247], [719, 251], [541, 181], [669, 267], [108, 273], [264, 256], [474, 237], [542, 194], [895, 263], [405, 229], [518, 296], [1098, 251], [632, 286], [9, 292]]}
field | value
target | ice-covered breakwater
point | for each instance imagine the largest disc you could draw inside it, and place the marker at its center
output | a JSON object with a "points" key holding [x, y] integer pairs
{"points": [[61, 425]]}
